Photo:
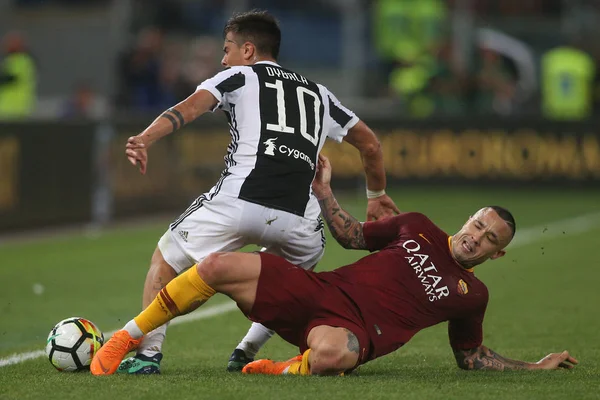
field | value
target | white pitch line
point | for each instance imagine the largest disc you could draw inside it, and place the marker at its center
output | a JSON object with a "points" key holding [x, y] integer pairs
{"points": [[524, 237], [19, 358], [552, 230], [203, 313]]}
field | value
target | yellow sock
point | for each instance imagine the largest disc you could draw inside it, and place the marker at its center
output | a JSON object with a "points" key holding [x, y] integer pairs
{"points": [[300, 367], [175, 299]]}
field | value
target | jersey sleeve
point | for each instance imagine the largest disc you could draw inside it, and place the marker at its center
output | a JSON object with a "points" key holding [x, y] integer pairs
{"points": [[378, 234], [341, 118], [226, 86], [467, 332]]}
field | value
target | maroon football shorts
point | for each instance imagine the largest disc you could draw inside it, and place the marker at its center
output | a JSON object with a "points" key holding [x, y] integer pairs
{"points": [[292, 301]]}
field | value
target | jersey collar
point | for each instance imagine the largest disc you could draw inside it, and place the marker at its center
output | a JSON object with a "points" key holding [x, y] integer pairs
{"points": [[450, 249], [268, 62]]}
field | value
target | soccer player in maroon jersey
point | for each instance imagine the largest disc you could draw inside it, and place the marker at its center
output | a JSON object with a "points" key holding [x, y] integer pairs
{"points": [[416, 277]]}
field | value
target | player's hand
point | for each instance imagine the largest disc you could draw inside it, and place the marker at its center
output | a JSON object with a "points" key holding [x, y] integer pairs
{"points": [[557, 360], [321, 184], [137, 153], [381, 207]]}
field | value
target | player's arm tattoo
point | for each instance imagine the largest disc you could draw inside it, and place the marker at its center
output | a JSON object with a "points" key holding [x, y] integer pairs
{"points": [[484, 358], [353, 344], [346, 229], [175, 117]]}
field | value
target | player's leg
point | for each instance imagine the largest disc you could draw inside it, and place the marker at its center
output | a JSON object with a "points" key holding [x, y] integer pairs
{"points": [[169, 260], [244, 353], [331, 351], [149, 353], [233, 274], [246, 350], [303, 245], [209, 225]]}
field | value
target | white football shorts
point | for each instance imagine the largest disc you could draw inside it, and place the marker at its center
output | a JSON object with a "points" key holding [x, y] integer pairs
{"points": [[226, 223]]}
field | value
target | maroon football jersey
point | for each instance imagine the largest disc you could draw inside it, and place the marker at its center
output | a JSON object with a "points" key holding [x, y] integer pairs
{"points": [[412, 283]]}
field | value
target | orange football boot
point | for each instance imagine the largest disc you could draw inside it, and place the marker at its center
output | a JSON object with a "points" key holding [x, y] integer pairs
{"points": [[269, 367], [107, 359], [294, 359]]}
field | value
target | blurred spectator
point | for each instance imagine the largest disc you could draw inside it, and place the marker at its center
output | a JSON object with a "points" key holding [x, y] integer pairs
{"points": [[404, 30], [516, 7], [84, 103], [392, 32], [172, 86], [18, 78], [139, 72], [158, 72], [568, 75], [518, 62], [449, 85], [166, 15], [496, 85], [408, 35], [203, 61], [408, 83]]}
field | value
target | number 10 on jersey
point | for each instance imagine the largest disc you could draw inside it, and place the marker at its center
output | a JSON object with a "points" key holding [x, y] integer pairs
{"points": [[281, 125]]}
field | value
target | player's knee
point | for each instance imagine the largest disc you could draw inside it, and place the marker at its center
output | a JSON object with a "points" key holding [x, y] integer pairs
{"points": [[212, 268], [328, 358]]}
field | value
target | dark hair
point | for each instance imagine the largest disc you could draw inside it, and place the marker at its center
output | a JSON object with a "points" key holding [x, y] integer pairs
{"points": [[259, 28], [507, 217]]}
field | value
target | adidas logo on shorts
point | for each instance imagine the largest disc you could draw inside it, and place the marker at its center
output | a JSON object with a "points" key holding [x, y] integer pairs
{"points": [[183, 235]]}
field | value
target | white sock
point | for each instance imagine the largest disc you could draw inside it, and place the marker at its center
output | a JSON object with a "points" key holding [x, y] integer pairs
{"points": [[152, 342], [256, 338], [133, 330]]}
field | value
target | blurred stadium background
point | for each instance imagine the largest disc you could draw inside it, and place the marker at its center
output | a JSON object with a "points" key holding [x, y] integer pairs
{"points": [[475, 102], [460, 91]]}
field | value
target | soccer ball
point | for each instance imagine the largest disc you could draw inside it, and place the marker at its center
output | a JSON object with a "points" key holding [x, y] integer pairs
{"points": [[72, 343]]}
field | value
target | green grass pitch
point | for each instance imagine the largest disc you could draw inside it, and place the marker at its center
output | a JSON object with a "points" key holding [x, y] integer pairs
{"points": [[544, 297]]}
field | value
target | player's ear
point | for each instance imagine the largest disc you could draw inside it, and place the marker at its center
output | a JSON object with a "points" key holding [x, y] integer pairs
{"points": [[499, 254], [249, 51]]}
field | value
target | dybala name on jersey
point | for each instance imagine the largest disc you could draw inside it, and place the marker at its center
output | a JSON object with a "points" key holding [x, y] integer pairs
{"points": [[273, 71]]}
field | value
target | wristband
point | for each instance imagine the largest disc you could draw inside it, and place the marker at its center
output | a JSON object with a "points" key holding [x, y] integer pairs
{"points": [[372, 194]]}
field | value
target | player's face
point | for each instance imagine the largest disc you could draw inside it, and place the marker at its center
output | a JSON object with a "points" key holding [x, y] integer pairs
{"points": [[483, 237], [237, 53]]}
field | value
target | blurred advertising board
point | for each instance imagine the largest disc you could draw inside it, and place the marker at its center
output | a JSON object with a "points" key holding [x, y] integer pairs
{"points": [[46, 175], [52, 173]]}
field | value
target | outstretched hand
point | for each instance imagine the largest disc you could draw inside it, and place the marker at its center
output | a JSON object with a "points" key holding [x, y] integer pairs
{"points": [[557, 360], [137, 153], [381, 207], [321, 184]]}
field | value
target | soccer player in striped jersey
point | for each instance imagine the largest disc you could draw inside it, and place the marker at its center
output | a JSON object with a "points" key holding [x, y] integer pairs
{"points": [[279, 121]]}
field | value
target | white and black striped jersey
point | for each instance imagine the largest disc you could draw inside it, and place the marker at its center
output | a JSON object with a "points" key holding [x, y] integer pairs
{"points": [[279, 121]]}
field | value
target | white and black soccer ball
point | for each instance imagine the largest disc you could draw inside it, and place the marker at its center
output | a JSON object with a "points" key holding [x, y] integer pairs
{"points": [[72, 343]]}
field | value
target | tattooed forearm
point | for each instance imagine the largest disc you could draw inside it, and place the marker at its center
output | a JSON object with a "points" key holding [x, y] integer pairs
{"points": [[353, 344], [175, 117], [346, 229], [486, 359]]}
